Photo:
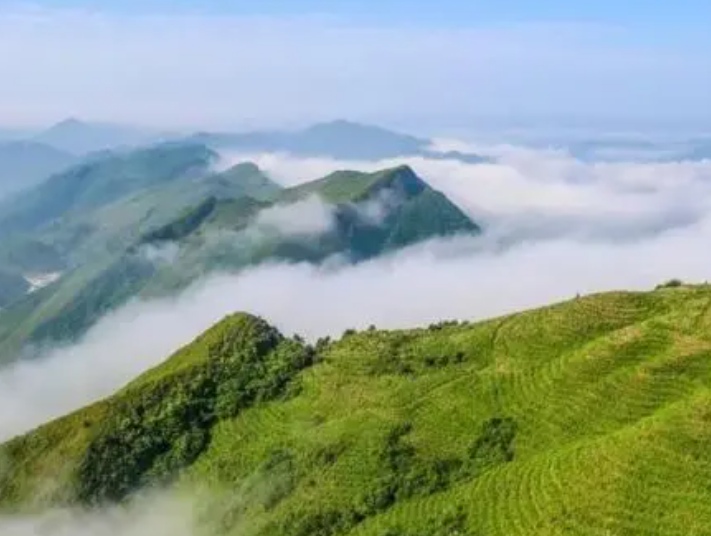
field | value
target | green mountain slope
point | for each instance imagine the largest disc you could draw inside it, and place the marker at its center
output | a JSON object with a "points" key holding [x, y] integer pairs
{"points": [[22, 258], [366, 215], [88, 246], [372, 214], [12, 288], [117, 225], [588, 417], [101, 181], [24, 164]]}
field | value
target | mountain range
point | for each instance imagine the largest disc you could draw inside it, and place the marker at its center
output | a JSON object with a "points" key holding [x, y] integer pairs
{"points": [[33, 156], [81, 137], [342, 140], [151, 221]]}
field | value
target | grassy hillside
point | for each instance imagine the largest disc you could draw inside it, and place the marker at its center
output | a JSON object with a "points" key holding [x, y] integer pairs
{"points": [[12, 288], [589, 417], [119, 224]]}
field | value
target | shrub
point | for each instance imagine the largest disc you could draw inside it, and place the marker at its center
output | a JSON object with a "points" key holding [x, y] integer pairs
{"points": [[494, 444], [672, 283], [163, 425]]}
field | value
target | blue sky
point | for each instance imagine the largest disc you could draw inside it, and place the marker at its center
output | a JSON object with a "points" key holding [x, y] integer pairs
{"points": [[637, 13], [222, 63]]}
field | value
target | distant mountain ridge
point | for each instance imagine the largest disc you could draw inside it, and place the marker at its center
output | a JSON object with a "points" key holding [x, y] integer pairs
{"points": [[340, 139], [103, 180], [83, 137], [107, 220]]}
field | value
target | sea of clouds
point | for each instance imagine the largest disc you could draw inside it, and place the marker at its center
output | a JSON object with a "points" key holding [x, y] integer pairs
{"points": [[553, 227]]}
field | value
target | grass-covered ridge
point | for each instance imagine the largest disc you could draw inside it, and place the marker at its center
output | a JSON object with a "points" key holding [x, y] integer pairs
{"points": [[592, 416], [372, 214]]}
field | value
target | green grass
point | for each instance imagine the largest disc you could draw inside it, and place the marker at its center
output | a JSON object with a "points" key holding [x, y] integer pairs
{"points": [[352, 186], [589, 417]]}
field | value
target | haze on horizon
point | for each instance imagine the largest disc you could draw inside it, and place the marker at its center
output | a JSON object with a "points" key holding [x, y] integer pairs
{"points": [[221, 65]]}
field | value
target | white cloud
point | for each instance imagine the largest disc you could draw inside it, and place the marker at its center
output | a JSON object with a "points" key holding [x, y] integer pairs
{"points": [[165, 253], [536, 194], [308, 217], [148, 516]]}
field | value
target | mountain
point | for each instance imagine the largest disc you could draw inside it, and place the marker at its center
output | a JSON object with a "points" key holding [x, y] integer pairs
{"points": [[12, 288], [101, 181], [13, 134], [24, 164], [343, 140], [70, 230], [115, 225], [25, 264], [351, 215], [347, 140], [243, 179], [587, 417], [81, 137]]}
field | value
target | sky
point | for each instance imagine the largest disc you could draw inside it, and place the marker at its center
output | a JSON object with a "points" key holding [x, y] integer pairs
{"points": [[183, 64], [450, 11]]}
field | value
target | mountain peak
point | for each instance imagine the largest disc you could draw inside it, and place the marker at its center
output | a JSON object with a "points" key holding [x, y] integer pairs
{"points": [[340, 124], [235, 334], [69, 122], [81, 137], [402, 178], [244, 167]]}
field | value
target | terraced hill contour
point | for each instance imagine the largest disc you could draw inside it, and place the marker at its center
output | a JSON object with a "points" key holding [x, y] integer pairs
{"points": [[588, 417]]}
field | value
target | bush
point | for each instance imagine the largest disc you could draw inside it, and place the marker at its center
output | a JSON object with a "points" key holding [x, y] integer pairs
{"points": [[494, 445], [163, 426], [672, 283]]}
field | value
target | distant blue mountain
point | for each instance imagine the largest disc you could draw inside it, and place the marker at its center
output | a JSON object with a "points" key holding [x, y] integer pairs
{"points": [[343, 140], [81, 137]]}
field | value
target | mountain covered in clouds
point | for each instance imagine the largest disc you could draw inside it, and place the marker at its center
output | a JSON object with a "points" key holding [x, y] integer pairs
{"points": [[341, 140], [586, 417], [152, 221]]}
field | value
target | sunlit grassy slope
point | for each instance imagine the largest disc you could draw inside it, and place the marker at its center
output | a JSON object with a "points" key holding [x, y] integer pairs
{"points": [[590, 417]]}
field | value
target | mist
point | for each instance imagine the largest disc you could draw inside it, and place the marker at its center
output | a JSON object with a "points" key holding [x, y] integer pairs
{"points": [[553, 228], [309, 217], [157, 515]]}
